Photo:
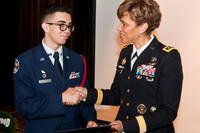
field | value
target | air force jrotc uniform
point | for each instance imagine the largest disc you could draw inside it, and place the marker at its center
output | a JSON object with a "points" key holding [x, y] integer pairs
{"points": [[149, 94], [38, 91]]}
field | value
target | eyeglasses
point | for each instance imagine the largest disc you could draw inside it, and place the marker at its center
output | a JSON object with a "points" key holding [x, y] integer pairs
{"points": [[64, 27]]}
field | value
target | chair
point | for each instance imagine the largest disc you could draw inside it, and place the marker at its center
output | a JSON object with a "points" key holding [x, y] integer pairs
{"points": [[6, 122]]}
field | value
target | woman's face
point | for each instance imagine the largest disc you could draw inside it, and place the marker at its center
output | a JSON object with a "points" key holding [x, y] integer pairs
{"points": [[129, 31]]}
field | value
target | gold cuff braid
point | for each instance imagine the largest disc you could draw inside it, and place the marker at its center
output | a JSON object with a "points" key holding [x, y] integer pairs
{"points": [[99, 96], [141, 123]]}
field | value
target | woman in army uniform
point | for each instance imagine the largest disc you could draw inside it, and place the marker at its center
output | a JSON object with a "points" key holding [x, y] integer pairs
{"points": [[148, 81]]}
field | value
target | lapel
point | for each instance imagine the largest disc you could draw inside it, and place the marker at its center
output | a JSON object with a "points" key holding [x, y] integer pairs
{"points": [[46, 65], [146, 55], [128, 57]]}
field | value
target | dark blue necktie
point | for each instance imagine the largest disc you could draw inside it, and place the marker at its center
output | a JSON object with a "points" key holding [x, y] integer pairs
{"points": [[57, 64]]}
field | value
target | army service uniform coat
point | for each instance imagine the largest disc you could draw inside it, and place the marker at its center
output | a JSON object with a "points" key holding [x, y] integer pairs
{"points": [[38, 91], [149, 95]]}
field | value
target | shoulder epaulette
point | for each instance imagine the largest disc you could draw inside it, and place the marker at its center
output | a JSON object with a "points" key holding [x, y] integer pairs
{"points": [[168, 48]]}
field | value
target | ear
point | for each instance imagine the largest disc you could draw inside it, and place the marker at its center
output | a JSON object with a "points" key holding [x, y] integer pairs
{"points": [[45, 27], [143, 27]]}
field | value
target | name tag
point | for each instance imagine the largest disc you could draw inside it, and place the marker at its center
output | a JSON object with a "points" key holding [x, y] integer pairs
{"points": [[43, 81]]}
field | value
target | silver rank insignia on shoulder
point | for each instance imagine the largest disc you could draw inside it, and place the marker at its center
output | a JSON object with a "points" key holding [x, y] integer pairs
{"points": [[16, 66], [141, 109]]}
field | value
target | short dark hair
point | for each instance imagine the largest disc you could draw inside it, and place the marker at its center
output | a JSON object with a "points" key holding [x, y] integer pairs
{"points": [[142, 11], [53, 8]]}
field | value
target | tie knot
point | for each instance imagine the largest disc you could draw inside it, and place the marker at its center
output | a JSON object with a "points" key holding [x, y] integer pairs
{"points": [[56, 55]]}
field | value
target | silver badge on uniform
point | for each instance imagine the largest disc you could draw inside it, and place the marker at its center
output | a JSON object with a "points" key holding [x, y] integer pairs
{"points": [[138, 76], [141, 109], [153, 59], [43, 74], [42, 59], [67, 57], [149, 79], [44, 80], [120, 69]]}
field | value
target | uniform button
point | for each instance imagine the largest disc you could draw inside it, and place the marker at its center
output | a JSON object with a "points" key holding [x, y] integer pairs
{"points": [[121, 101], [127, 104], [153, 109], [141, 108], [127, 117], [129, 77], [128, 90]]}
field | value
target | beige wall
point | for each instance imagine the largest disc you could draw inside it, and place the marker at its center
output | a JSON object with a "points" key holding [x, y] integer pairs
{"points": [[180, 28]]}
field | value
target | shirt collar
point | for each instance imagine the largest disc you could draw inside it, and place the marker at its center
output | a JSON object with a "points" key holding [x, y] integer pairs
{"points": [[139, 51], [49, 51]]}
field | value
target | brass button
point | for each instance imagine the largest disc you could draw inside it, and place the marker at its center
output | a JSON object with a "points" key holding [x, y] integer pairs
{"points": [[128, 90], [127, 104], [127, 117]]}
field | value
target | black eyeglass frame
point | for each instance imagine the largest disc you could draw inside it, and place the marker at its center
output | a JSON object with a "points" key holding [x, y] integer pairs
{"points": [[64, 27]]}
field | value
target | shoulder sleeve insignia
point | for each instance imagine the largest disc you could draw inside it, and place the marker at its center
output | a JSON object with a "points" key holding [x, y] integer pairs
{"points": [[168, 48], [16, 66]]}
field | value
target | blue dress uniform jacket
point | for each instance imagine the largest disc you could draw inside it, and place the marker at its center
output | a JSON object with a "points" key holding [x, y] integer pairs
{"points": [[38, 92], [149, 95]]}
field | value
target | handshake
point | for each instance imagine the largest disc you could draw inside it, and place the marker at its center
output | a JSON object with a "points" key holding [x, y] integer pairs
{"points": [[74, 95]]}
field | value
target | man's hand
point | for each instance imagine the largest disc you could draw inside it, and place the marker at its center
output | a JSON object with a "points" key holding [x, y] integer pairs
{"points": [[71, 97], [82, 91], [91, 124]]}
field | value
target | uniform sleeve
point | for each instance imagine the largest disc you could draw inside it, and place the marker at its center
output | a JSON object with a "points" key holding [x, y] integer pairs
{"points": [[28, 104], [169, 92], [104, 96], [88, 110]]}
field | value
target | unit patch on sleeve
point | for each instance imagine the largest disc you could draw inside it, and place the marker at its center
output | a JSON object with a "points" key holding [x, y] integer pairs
{"points": [[16, 66]]}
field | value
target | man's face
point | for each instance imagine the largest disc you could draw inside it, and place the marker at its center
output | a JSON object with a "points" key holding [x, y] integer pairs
{"points": [[60, 28]]}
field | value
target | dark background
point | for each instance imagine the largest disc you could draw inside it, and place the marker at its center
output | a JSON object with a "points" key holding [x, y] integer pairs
{"points": [[21, 30]]}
